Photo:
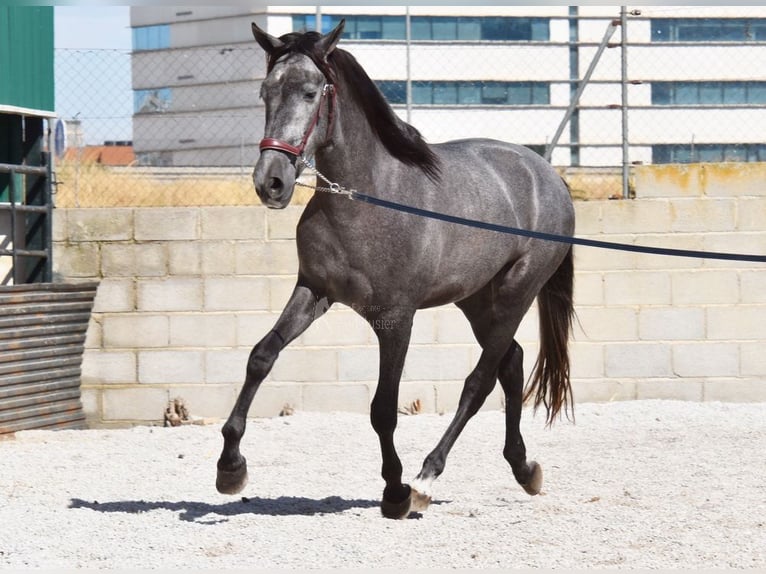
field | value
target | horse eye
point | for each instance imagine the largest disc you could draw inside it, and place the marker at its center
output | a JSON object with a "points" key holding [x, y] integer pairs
{"points": [[309, 96]]}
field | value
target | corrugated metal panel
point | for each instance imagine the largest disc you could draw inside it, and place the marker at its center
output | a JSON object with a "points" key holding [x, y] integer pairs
{"points": [[26, 58], [42, 338]]}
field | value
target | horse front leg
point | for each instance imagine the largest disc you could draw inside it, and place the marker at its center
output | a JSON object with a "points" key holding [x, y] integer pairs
{"points": [[304, 306], [393, 330]]}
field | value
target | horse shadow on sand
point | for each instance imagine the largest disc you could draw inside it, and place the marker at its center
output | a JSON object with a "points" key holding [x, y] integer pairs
{"points": [[207, 513]]}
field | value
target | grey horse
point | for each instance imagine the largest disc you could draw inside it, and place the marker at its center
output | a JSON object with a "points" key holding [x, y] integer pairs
{"points": [[387, 264]]}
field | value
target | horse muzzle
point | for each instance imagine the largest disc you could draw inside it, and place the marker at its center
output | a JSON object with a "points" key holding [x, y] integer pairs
{"points": [[274, 179]]}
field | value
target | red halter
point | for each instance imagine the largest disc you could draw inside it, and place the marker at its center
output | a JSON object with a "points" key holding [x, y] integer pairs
{"points": [[297, 151]]}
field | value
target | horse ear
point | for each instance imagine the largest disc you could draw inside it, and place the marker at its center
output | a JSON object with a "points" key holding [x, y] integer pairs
{"points": [[330, 40], [266, 40]]}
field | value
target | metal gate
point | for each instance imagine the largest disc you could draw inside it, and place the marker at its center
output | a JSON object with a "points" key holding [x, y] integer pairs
{"points": [[29, 223], [42, 324]]}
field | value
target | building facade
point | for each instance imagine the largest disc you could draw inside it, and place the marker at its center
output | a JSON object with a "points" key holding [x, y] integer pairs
{"points": [[691, 78]]}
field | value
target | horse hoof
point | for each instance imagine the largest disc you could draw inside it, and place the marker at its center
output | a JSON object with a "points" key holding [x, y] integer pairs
{"points": [[232, 481], [414, 502], [395, 510], [535, 482]]}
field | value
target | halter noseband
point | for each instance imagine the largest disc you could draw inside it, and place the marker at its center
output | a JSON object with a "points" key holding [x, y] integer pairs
{"points": [[297, 151]]}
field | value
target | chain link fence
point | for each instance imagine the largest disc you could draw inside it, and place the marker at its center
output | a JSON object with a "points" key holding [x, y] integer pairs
{"points": [[181, 126]]}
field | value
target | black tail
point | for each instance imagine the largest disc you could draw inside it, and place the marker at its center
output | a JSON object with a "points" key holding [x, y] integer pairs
{"points": [[549, 383]]}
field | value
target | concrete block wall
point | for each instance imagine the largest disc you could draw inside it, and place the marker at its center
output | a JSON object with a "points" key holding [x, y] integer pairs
{"points": [[186, 292]]}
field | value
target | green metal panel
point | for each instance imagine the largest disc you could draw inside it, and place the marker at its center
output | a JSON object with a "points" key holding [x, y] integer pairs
{"points": [[26, 58]]}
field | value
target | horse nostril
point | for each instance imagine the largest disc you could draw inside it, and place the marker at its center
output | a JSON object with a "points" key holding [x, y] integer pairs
{"points": [[275, 185]]}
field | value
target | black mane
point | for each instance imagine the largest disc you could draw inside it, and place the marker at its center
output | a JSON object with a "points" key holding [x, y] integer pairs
{"points": [[400, 139]]}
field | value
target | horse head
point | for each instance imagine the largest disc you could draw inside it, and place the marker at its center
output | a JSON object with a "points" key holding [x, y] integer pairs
{"points": [[299, 97]]}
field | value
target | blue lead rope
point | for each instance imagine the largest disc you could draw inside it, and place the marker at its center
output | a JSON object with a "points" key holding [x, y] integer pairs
{"points": [[554, 236]]}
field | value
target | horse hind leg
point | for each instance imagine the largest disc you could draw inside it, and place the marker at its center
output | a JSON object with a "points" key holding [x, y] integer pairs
{"points": [[511, 375], [495, 337]]}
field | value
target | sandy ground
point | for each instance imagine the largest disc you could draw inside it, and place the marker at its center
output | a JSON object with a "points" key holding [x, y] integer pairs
{"points": [[644, 484]]}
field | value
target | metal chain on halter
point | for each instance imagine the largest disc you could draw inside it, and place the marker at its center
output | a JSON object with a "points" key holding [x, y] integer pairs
{"points": [[333, 187]]}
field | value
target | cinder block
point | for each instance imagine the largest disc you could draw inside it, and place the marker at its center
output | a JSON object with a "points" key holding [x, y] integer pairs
{"points": [[283, 223], [207, 401], [172, 294], [338, 327], [637, 288], [435, 363], [588, 288], [167, 224], [266, 258], [423, 327], [595, 391], [136, 404], [447, 395], [252, 327], [453, 327], [671, 323], [358, 364], [529, 329], [91, 405], [637, 216], [742, 322], [236, 293], [597, 259], [226, 366], [735, 179], [217, 257], [685, 389], [605, 324], [706, 359], [588, 217], [203, 330], [691, 242], [753, 286], [751, 213], [273, 397], [423, 392], [113, 224], [77, 260], [586, 360], [108, 367], [280, 290], [705, 287], [184, 258], [60, 233], [230, 223], [134, 259], [735, 390], [741, 242], [306, 365], [753, 360], [171, 367], [628, 360], [115, 295], [329, 397], [703, 214], [668, 181], [135, 331], [94, 335]]}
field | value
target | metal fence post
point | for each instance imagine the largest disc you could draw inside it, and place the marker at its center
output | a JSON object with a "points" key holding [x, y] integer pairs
{"points": [[624, 103]]}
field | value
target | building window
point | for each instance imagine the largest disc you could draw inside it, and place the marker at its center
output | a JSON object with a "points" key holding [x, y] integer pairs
{"points": [[705, 153], [426, 93], [708, 93], [708, 30], [151, 101], [151, 37], [432, 28]]}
